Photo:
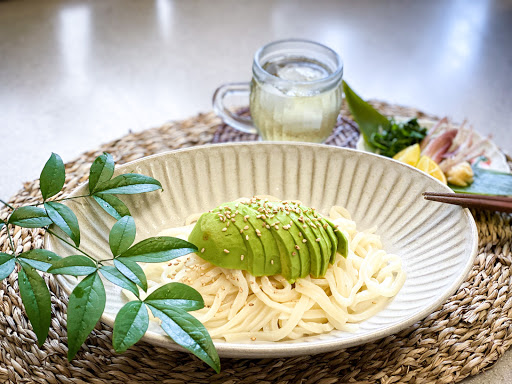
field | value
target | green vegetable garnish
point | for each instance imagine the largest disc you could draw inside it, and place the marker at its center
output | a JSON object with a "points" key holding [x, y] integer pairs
{"points": [[398, 136], [384, 135]]}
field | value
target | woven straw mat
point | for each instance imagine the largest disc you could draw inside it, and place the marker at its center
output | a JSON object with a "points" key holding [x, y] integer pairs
{"points": [[463, 337]]}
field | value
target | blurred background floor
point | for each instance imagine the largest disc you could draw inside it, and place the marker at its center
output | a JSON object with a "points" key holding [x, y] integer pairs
{"points": [[75, 74]]}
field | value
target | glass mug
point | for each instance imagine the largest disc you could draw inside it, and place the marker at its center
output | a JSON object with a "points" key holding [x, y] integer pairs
{"points": [[295, 92]]}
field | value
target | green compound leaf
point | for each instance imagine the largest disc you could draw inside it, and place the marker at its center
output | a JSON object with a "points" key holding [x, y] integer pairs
{"points": [[130, 325], [52, 176], [122, 235], [30, 217], [175, 295], [64, 218], [112, 205], [75, 265], [188, 332], [159, 249], [7, 264], [102, 170], [40, 259], [36, 299], [86, 305], [128, 184], [132, 271], [117, 278]]}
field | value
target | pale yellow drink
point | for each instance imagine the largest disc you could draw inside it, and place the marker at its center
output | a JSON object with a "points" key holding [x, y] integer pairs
{"points": [[293, 110]]}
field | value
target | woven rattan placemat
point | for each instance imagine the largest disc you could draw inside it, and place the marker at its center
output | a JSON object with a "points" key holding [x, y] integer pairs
{"points": [[463, 337]]}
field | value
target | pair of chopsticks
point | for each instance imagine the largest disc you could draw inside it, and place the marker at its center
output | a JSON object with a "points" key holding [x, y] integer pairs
{"points": [[493, 203]]}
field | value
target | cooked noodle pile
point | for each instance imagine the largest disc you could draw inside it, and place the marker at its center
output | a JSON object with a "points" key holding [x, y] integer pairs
{"points": [[241, 307]]}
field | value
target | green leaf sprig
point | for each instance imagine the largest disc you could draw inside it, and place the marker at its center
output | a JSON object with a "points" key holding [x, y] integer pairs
{"points": [[170, 303]]}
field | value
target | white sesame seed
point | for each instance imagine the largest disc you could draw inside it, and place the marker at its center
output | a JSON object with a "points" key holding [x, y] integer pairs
{"points": [[241, 257], [242, 230], [224, 229], [246, 227], [304, 241], [233, 219], [276, 226], [246, 237], [297, 247], [317, 239], [272, 262], [202, 250], [226, 251], [267, 226]]}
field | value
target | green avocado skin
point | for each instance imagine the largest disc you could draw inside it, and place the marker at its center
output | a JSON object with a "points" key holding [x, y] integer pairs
{"points": [[268, 238]]}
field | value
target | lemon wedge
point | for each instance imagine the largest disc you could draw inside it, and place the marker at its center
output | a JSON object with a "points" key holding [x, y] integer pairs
{"points": [[429, 166], [409, 155]]}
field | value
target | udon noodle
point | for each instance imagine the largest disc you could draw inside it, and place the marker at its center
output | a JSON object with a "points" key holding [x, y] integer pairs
{"points": [[241, 307]]}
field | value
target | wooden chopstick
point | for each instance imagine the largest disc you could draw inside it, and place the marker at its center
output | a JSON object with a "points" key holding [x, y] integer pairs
{"points": [[493, 203]]}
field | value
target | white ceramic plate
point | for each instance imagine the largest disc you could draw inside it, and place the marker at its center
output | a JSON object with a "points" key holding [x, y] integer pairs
{"points": [[437, 242], [497, 159]]}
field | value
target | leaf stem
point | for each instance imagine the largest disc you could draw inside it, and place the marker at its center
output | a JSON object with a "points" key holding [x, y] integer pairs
{"points": [[64, 199], [104, 260], [10, 239], [7, 204], [72, 197], [71, 245]]}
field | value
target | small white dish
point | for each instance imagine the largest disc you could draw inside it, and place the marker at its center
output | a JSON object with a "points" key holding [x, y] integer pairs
{"points": [[437, 242], [497, 159]]}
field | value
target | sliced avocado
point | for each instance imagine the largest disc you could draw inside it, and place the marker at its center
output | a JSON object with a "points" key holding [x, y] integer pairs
{"points": [[315, 254], [234, 229], [212, 242], [332, 237], [290, 262], [325, 242], [342, 239], [256, 255], [287, 224], [272, 261]]}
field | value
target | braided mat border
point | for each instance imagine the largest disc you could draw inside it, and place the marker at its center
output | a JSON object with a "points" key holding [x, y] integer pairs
{"points": [[463, 337]]}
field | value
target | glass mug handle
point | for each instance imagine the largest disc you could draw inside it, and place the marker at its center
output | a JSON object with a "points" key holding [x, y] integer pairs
{"points": [[240, 123]]}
